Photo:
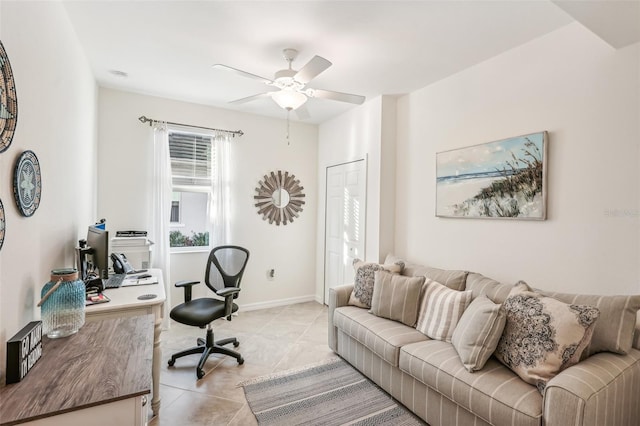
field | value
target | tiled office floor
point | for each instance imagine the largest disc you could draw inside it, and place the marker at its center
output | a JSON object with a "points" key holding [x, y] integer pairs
{"points": [[271, 340]]}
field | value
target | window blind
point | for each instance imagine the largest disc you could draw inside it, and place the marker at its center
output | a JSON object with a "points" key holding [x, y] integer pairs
{"points": [[191, 160]]}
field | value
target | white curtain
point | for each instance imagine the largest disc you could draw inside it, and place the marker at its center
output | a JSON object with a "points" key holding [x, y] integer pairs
{"points": [[219, 205], [160, 209]]}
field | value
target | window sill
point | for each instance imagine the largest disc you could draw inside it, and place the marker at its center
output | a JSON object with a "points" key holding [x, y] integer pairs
{"points": [[180, 250]]}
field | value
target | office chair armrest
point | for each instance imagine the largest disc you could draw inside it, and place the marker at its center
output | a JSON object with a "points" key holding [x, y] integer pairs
{"points": [[187, 288], [228, 293]]}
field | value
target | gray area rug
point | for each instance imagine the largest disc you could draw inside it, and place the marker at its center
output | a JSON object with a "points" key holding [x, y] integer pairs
{"points": [[332, 393]]}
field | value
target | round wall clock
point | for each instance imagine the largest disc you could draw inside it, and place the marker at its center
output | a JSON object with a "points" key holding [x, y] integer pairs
{"points": [[279, 197], [8, 101], [27, 183], [3, 224]]}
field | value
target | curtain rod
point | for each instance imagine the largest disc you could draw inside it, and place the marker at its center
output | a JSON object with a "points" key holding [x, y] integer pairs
{"points": [[152, 121]]}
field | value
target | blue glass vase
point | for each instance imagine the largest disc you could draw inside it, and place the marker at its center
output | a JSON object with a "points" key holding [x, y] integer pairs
{"points": [[62, 304]]}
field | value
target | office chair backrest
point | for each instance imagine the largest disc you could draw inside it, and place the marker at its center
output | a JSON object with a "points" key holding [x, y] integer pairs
{"points": [[225, 267]]}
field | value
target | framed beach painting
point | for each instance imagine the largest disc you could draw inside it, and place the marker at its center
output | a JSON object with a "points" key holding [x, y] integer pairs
{"points": [[504, 179]]}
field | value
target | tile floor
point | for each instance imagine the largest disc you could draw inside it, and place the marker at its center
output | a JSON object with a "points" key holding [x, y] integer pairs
{"points": [[271, 340]]}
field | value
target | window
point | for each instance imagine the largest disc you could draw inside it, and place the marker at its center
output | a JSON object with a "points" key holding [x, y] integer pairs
{"points": [[192, 163]]}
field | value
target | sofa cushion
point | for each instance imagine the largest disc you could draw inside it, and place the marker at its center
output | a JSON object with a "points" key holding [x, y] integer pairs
{"points": [[495, 393], [454, 279], [382, 336], [494, 290], [396, 297], [364, 280], [615, 328], [440, 310], [477, 334], [543, 336]]}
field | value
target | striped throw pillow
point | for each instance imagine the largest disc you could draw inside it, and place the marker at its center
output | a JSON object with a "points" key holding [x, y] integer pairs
{"points": [[365, 279], [440, 310], [478, 332], [396, 297]]}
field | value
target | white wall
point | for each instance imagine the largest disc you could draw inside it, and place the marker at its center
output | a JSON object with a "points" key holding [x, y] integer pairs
{"points": [[57, 98], [367, 131], [124, 146], [587, 96]]}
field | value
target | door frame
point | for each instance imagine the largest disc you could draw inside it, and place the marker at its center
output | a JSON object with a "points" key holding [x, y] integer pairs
{"points": [[365, 158]]}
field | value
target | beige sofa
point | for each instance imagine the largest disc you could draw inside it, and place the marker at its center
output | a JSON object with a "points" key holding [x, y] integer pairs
{"points": [[428, 377]]}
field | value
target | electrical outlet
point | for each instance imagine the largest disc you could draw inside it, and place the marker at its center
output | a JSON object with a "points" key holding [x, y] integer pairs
{"points": [[271, 274]]}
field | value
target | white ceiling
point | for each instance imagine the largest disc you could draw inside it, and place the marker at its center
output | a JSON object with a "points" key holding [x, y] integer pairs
{"points": [[376, 47]]}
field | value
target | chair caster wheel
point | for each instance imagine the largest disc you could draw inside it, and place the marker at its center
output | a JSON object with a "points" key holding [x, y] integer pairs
{"points": [[241, 361], [236, 344], [171, 362], [200, 374], [200, 341]]}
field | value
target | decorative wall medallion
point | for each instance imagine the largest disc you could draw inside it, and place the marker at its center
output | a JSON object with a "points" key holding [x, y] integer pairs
{"points": [[27, 183], [3, 224], [279, 197], [8, 101]]}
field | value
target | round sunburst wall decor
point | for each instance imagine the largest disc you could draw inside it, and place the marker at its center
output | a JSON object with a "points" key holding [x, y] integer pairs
{"points": [[279, 197]]}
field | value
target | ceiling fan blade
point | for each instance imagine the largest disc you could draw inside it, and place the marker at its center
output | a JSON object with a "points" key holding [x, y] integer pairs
{"points": [[242, 73], [251, 98], [315, 66], [336, 96], [302, 112]]}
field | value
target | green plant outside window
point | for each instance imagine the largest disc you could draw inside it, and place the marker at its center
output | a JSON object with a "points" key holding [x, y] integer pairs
{"points": [[178, 239]]}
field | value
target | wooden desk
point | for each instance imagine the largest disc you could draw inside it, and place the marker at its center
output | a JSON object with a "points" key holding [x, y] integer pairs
{"points": [[99, 376], [125, 303]]}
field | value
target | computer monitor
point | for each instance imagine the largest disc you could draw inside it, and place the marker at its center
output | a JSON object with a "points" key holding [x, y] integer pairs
{"points": [[98, 242]]}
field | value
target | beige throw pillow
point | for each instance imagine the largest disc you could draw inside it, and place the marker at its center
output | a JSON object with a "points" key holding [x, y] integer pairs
{"points": [[478, 332], [543, 336], [365, 278], [396, 297], [440, 310]]}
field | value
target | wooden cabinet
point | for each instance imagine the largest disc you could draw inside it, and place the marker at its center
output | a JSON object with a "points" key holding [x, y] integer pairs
{"points": [[134, 301], [99, 376], [127, 412]]}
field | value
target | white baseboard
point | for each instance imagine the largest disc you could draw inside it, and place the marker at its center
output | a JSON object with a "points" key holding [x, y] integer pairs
{"points": [[279, 302]]}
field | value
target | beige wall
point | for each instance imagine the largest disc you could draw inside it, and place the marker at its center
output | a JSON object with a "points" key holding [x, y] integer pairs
{"points": [[125, 146], [587, 96], [56, 119]]}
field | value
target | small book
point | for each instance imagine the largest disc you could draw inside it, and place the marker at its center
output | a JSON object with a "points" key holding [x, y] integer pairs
{"points": [[96, 298]]}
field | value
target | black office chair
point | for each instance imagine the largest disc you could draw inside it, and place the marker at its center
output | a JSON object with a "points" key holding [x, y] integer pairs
{"points": [[225, 267]]}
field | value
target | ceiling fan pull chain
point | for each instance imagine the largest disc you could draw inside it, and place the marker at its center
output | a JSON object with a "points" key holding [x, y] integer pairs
{"points": [[288, 141]]}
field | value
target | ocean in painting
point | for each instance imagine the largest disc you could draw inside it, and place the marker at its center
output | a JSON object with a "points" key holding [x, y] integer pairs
{"points": [[502, 179]]}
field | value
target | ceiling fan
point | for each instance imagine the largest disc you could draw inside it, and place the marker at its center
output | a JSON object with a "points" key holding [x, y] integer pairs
{"points": [[290, 89]]}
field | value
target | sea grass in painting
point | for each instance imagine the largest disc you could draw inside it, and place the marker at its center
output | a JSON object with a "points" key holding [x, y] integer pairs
{"points": [[502, 179]]}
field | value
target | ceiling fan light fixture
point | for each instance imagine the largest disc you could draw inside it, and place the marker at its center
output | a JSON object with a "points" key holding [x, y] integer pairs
{"points": [[293, 93], [289, 99]]}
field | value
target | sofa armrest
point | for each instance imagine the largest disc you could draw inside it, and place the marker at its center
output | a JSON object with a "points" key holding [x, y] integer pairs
{"points": [[338, 296], [601, 390]]}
